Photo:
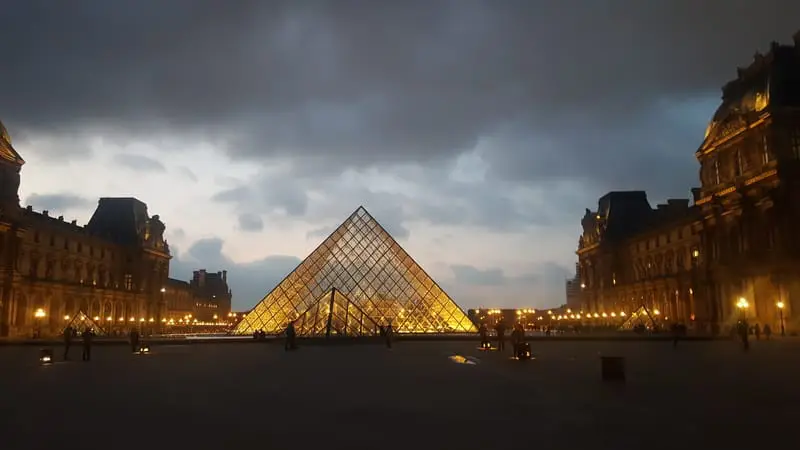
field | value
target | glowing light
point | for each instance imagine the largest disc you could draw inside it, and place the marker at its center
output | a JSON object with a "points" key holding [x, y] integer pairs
{"points": [[622, 313], [141, 320], [109, 318], [780, 305], [656, 312], [39, 313], [604, 315], [132, 319], [583, 285], [66, 317], [695, 253], [96, 318], [163, 290], [742, 303], [613, 314], [596, 315], [151, 320]]}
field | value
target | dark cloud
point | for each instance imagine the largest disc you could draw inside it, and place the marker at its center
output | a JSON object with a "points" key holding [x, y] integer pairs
{"points": [[249, 281], [567, 88], [139, 162], [250, 222], [58, 202]]}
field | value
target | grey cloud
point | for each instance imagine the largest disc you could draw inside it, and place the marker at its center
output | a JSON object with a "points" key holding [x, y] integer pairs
{"points": [[58, 202], [249, 281], [564, 85], [187, 173], [250, 222], [471, 275], [139, 162]]}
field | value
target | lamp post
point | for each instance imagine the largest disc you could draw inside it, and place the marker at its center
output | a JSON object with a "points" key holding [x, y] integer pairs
{"points": [[742, 304], [39, 314], [780, 306], [162, 307]]}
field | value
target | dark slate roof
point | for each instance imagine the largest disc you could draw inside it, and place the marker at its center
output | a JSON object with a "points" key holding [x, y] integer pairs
{"points": [[119, 219]]}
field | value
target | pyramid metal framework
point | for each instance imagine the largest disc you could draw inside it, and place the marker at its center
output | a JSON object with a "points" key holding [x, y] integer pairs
{"points": [[358, 279]]}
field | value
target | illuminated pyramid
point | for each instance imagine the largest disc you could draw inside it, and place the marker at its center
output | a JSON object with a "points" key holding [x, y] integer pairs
{"points": [[639, 317], [81, 322], [358, 279]]}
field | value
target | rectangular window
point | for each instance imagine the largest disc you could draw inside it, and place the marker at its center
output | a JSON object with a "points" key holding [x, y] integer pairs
{"points": [[765, 152], [128, 282], [716, 171]]}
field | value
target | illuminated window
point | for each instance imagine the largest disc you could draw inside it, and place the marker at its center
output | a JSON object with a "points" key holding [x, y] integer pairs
{"points": [[716, 171], [128, 281]]}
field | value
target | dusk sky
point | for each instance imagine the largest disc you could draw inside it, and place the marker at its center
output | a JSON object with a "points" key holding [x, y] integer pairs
{"points": [[475, 131]]}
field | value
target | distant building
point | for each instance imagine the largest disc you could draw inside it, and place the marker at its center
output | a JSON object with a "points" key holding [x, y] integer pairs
{"points": [[573, 288], [734, 253], [114, 270]]}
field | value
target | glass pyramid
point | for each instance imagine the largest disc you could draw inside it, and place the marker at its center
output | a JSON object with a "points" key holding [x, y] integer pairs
{"points": [[639, 317], [81, 322], [360, 278]]}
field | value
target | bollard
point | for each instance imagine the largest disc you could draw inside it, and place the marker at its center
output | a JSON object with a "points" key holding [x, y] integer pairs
{"points": [[612, 368]]}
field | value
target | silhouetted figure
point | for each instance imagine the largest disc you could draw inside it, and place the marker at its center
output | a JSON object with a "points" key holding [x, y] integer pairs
{"points": [[757, 331], [67, 341], [87, 344], [517, 338], [676, 334], [291, 334], [388, 335], [767, 331], [500, 328], [742, 329], [134, 338], [484, 333]]}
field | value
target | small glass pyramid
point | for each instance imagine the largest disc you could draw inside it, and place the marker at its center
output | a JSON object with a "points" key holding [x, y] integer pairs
{"points": [[81, 322], [359, 278]]}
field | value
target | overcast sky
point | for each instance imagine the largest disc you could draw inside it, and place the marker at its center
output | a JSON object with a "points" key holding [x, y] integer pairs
{"points": [[476, 132]]}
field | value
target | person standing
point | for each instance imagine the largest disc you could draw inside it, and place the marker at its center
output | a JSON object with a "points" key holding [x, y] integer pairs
{"points": [[134, 338], [389, 332], [67, 341], [87, 344], [500, 328], [291, 334]]}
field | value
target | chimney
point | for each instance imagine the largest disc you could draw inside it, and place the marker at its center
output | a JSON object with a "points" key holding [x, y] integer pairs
{"points": [[61, 218], [74, 222], [202, 277], [29, 208], [225, 276], [46, 213]]}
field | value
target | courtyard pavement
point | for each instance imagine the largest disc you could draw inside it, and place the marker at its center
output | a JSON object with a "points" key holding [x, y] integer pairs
{"points": [[705, 395]]}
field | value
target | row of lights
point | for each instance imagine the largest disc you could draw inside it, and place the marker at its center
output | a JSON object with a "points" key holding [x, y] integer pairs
{"points": [[744, 304]]}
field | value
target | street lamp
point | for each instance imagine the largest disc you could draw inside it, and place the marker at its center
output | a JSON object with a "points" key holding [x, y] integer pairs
{"points": [[39, 314], [780, 306], [742, 305]]}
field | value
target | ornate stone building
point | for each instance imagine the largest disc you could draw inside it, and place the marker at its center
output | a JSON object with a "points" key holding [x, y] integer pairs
{"points": [[115, 269], [738, 240]]}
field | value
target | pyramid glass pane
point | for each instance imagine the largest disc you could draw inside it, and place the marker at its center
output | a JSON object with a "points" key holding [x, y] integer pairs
{"points": [[371, 276]]}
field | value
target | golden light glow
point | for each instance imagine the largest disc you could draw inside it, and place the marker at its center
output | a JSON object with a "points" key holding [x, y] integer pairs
{"points": [[141, 320], [780, 305], [382, 281], [109, 318], [695, 253], [569, 310], [152, 320], [613, 314], [622, 313], [96, 318], [121, 319], [39, 313], [132, 319], [66, 317], [163, 320], [742, 303], [604, 315], [656, 312], [596, 315]]}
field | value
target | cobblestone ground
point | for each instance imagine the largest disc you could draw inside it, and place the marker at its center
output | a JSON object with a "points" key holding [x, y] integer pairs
{"points": [[708, 395]]}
